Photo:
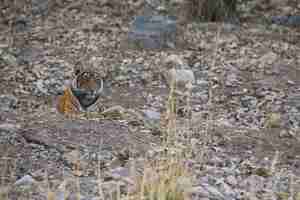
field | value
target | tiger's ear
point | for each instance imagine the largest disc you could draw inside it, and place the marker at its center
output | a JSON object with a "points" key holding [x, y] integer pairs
{"points": [[77, 69], [74, 83], [77, 72]]}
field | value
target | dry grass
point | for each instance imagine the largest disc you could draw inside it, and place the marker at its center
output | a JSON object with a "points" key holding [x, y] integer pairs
{"points": [[164, 180], [217, 10]]}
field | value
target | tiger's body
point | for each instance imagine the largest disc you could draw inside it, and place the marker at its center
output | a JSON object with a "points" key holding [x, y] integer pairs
{"points": [[82, 95], [68, 104]]}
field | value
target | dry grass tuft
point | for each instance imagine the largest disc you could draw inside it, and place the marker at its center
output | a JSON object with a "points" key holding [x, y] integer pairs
{"points": [[217, 10], [167, 179]]}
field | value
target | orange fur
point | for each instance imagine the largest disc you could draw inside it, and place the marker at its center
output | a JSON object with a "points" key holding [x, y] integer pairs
{"points": [[67, 104]]}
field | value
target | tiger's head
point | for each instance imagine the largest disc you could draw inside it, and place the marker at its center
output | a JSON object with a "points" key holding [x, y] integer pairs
{"points": [[87, 87]]}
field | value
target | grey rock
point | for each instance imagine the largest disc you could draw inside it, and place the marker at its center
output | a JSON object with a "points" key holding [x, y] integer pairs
{"points": [[293, 20], [213, 191], [40, 7], [22, 24], [249, 102], [294, 100], [203, 84], [226, 189], [40, 86], [253, 183], [154, 3], [9, 127], [24, 56], [279, 19], [229, 27], [8, 102], [232, 80], [52, 81]]}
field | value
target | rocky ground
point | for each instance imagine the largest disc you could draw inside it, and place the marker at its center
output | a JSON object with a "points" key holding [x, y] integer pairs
{"points": [[242, 135]]}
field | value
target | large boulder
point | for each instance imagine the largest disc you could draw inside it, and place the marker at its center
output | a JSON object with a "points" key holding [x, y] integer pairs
{"points": [[153, 32]]}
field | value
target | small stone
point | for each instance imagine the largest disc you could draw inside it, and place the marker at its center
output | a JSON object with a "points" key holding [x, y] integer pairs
{"points": [[194, 143], [268, 58], [40, 86], [198, 191], [214, 191], [231, 180], [226, 189], [232, 80], [151, 154], [254, 183], [140, 60], [8, 58], [39, 175], [40, 7], [286, 10], [290, 82], [121, 173], [21, 24], [294, 100], [284, 133], [151, 114], [278, 3]]}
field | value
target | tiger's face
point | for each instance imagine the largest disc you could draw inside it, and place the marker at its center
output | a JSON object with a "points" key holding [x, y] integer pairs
{"points": [[88, 81], [87, 87]]}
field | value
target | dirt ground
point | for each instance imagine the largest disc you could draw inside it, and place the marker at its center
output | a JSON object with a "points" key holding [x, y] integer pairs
{"points": [[247, 89]]}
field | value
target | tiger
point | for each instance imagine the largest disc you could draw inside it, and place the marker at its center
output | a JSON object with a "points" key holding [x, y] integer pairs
{"points": [[82, 94]]}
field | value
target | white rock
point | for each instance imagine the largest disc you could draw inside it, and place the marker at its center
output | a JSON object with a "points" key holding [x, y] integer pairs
{"points": [[25, 180], [269, 58], [152, 114], [174, 60], [231, 180], [180, 77]]}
